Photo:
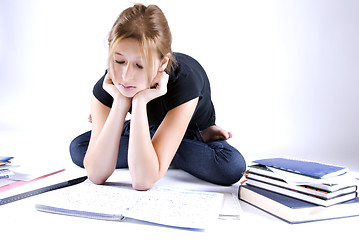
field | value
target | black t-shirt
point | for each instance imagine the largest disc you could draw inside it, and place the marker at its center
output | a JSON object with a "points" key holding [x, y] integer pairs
{"points": [[187, 81]]}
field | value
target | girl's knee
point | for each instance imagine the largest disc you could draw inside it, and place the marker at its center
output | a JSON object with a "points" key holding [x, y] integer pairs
{"points": [[78, 148], [232, 167]]}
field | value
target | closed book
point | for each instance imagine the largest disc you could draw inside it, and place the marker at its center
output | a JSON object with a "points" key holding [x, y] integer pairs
{"points": [[328, 184], [303, 196], [308, 168], [294, 210], [306, 189]]}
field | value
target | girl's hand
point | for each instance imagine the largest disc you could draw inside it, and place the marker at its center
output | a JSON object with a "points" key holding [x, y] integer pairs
{"points": [[110, 87], [158, 88]]}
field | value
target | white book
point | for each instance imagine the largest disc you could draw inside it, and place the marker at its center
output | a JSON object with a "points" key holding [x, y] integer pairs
{"points": [[328, 184], [302, 196], [302, 188]]}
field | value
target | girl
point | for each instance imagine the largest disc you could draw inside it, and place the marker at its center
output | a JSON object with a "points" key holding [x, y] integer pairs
{"points": [[172, 115]]}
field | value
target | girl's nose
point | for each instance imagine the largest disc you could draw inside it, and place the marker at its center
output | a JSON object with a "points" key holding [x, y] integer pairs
{"points": [[127, 74]]}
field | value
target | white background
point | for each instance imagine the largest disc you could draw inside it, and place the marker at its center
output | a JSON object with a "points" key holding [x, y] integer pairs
{"points": [[284, 74]]}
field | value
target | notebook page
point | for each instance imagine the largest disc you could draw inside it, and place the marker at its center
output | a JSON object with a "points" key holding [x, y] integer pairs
{"points": [[180, 208], [87, 197], [174, 207]]}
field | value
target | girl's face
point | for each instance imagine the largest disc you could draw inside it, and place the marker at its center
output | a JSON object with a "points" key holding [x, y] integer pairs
{"points": [[130, 73]]}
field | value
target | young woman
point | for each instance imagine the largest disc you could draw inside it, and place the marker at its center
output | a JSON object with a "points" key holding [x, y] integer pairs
{"points": [[172, 115]]}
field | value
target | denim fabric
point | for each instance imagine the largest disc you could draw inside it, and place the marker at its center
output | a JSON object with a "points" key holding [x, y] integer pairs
{"points": [[216, 162]]}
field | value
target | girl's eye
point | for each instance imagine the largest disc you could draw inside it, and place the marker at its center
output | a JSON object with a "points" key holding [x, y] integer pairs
{"points": [[119, 62], [139, 66]]}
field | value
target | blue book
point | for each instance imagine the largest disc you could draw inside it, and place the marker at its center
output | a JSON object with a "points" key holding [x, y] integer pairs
{"points": [[294, 210], [5, 159], [311, 169]]}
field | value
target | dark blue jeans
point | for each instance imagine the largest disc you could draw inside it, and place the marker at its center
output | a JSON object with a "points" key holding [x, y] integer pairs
{"points": [[216, 162]]}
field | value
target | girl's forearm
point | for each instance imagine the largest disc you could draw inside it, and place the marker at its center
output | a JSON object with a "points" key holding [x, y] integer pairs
{"points": [[143, 161], [101, 157]]}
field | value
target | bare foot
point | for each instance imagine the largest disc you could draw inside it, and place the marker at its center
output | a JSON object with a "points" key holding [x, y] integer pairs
{"points": [[214, 133]]}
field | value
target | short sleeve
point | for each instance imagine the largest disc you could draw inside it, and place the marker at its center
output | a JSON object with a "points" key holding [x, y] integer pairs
{"points": [[184, 87], [101, 94]]}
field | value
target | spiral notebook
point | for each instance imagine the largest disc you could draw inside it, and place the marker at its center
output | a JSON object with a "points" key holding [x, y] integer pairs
{"points": [[165, 206]]}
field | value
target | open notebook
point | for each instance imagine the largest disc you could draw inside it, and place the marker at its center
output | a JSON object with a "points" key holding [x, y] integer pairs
{"points": [[172, 207]]}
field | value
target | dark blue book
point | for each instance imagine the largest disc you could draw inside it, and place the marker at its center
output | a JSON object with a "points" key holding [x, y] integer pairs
{"points": [[294, 210], [311, 169]]}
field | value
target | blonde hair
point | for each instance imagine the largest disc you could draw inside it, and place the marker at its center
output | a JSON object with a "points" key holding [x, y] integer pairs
{"points": [[147, 25]]}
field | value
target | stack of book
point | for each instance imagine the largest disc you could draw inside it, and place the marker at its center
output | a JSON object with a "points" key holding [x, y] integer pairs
{"points": [[301, 191], [5, 166]]}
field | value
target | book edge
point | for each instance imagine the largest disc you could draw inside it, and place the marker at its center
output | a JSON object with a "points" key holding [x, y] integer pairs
{"points": [[77, 213]]}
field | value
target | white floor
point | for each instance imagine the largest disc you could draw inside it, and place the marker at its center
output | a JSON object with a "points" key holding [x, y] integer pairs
{"points": [[273, 85], [20, 220]]}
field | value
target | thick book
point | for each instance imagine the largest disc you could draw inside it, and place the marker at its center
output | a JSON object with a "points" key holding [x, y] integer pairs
{"points": [[308, 168], [293, 210], [177, 208]]}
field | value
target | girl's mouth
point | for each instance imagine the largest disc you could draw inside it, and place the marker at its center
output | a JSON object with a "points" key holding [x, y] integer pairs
{"points": [[127, 88]]}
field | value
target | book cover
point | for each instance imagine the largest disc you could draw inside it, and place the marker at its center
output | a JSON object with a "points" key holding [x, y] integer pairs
{"points": [[312, 169], [5, 159]]}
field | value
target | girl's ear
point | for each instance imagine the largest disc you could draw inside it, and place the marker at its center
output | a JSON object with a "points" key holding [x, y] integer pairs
{"points": [[164, 62]]}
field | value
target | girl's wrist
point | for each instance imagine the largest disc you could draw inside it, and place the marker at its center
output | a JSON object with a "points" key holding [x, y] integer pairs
{"points": [[122, 104], [138, 101]]}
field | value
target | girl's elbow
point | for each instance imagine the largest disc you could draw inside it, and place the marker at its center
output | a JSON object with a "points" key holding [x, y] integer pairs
{"points": [[95, 177], [96, 180], [142, 184]]}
